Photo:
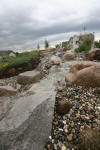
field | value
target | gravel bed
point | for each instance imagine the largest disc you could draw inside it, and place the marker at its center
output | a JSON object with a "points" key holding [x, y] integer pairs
{"points": [[84, 113], [12, 81]]}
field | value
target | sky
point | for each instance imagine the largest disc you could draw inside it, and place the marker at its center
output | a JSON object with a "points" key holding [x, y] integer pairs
{"points": [[25, 23]]}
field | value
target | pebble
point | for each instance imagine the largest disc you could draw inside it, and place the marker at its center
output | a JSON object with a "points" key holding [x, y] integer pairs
{"points": [[63, 147], [84, 113], [64, 122], [98, 108], [50, 137], [55, 146], [69, 138], [98, 122], [98, 116]]}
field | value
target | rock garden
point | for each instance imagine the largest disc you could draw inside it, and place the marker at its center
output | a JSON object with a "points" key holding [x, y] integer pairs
{"points": [[56, 106]]}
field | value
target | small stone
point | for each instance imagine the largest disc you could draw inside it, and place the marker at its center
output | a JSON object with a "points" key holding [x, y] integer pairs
{"points": [[82, 127], [73, 130], [94, 125], [72, 124], [97, 113], [60, 144], [98, 116], [98, 108], [87, 118], [50, 137], [60, 129], [64, 118], [53, 141], [82, 117], [68, 115], [65, 129], [48, 146], [98, 122], [64, 122], [78, 115], [63, 107], [69, 138], [55, 146], [63, 147]]}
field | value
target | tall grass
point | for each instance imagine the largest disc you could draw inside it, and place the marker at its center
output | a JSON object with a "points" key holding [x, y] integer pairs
{"points": [[20, 59]]}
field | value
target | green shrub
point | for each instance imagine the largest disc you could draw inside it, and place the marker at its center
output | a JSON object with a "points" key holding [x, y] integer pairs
{"points": [[38, 46], [19, 60], [46, 44], [57, 45], [85, 46], [66, 45], [97, 44]]}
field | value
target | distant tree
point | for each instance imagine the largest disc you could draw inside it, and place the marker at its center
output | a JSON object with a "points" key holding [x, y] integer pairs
{"points": [[57, 45], [38, 46], [46, 44], [16, 53], [97, 44]]}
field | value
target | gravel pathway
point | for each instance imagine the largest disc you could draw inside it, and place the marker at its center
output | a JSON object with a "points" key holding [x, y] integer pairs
{"points": [[84, 113]]}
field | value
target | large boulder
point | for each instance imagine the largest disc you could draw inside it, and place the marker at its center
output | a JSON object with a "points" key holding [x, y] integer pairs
{"points": [[89, 139], [84, 73], [7, 91], [28, 77], [55, 60], [29, 122], [94, 54], [69, 56]]}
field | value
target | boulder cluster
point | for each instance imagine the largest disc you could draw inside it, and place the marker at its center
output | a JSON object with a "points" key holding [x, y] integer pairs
{"points": [[62, 93], [76, 123]]}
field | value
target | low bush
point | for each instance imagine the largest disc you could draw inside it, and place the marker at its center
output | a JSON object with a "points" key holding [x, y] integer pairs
{"points": [[97, 44], [57, 45], [46, 44], [19, 60], [84, 46], [66, 45]]}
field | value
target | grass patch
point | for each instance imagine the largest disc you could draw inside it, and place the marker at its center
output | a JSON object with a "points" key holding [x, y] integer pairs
{"points": [[84, 46], [66, 45], [18, 61]]}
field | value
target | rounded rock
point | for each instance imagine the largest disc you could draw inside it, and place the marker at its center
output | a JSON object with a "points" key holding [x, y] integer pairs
{"points": [[89, 139], [63, 107]]}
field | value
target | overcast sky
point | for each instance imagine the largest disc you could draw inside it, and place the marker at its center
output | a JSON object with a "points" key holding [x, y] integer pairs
{"points": [[24, 23]]}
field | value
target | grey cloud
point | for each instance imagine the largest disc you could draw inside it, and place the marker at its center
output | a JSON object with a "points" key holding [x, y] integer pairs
{"points": [[22, 25]]}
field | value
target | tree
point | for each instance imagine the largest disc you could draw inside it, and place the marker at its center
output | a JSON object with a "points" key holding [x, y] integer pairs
{"points": [[38, 46], [46, 44], [97, 44]]}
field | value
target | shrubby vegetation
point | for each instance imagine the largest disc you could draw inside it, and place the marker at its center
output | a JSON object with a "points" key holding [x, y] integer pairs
{"points": [[85, 46], [38, 46], [66, 45], [46, 44], [57, 45], [84, 42], [97, 44], [20, 60]]}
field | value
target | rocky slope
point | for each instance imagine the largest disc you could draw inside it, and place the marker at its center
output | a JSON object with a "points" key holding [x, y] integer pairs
{"points": [[84, 113], [26, 118]]}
